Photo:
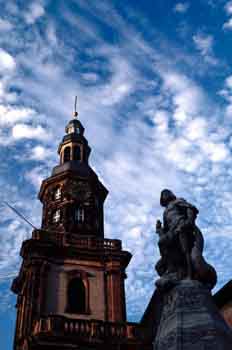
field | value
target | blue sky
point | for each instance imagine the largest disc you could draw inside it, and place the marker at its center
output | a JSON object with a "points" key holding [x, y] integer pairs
{"points": [[154, 87]]}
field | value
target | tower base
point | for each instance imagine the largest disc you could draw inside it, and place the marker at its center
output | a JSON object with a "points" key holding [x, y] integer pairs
{"points": [[191, 321]]}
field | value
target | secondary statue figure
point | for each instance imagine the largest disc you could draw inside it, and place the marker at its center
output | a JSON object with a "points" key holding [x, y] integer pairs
{"points": [[181, 245]]}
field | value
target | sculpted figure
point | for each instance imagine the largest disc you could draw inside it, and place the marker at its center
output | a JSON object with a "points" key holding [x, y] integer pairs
{"points": [[181, 244]]}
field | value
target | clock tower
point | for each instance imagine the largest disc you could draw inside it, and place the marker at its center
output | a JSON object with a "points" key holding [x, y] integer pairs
{"points": [[70, 287]]}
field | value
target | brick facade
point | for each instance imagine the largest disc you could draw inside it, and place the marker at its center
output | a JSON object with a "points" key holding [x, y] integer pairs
{"points": [[70, 286]]}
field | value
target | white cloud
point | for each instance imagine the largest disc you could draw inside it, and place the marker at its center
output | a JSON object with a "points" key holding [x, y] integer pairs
{"points": [[160, 118], [36, 176], [90, 77], [181, 7], [187, 96], [11, 243], [121, 84], [24, 131], [228, 7], [228, 82], [7, 61], [191, 149], [51, 35], [35, 11], [217, 152], [204, 43], [11, 114], [226, 93], [135, 232], [196, 129], [228, 24], [7, 96], [39, 153], [5, 25], [2, 91]]}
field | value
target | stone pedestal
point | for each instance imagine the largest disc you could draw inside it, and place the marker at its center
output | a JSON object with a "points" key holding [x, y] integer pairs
{"points": [[191, 321]]}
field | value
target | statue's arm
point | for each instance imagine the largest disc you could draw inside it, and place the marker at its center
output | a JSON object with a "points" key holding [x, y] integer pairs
{"points": [[191, 216], [165, 236], [159, 228]]}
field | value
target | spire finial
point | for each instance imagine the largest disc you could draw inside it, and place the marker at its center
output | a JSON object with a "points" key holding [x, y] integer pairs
{"points": [[75, 114]]}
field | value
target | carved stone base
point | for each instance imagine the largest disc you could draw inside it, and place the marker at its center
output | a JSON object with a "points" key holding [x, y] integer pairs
{"points": [[191, 321]]}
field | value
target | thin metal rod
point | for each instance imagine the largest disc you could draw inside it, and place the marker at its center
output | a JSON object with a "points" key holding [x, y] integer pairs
{"points": [[75, 108], [20, 215], [29, 223], [7, 276]]}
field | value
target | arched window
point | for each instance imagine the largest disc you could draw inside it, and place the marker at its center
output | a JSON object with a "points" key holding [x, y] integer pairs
{"points": [[56, 216], [67, 152], [76, 296], [77, 153], [57, 193], [79, 215]]}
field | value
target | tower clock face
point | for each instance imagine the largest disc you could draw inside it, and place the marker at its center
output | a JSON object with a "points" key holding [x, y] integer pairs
{"points": [[79, 190]]}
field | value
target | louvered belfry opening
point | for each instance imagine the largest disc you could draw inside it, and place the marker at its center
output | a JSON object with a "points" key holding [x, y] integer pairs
{"points": [[67, 154]]}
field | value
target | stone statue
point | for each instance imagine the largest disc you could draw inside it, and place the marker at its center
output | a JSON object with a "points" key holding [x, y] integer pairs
{"points": [[181, 244], [189, 318]]}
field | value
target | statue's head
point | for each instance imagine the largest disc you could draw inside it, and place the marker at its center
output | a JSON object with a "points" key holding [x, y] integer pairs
{"points": [[166, 197]]}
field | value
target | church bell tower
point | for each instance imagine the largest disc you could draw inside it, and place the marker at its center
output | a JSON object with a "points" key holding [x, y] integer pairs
{"points": [[70, 287]]}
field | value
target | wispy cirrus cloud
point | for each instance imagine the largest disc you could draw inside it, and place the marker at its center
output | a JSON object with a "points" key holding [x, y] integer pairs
{"points": [[7, 62], [149, 120], [228, 9], [24, 131], [181, 7], [5, 25], [34, 11], [204, 44], [10, 114]]}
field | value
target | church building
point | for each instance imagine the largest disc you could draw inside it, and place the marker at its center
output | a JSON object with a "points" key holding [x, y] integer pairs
{"points": [[70, 288]]}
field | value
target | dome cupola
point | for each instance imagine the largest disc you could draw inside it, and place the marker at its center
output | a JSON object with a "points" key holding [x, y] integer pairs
{"points": [[74, 146]]}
